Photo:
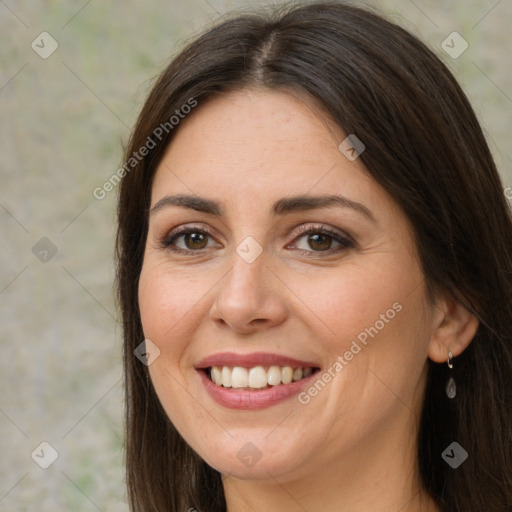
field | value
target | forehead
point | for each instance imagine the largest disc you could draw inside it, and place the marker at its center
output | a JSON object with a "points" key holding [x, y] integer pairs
{"points": [[257, 146]]}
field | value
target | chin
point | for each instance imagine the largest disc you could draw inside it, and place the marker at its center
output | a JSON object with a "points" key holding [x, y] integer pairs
{"points": [[255, 457]]}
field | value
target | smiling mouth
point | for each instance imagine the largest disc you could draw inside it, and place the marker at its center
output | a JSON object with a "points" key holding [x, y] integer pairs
{"points": [[257, 377]]}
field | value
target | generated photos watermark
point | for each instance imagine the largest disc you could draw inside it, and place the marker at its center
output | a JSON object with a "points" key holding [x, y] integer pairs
{"points": [[454, 45], [249, 454], [147, 352], [343, 360], [44, 45], [151, 143], [352, 147], [249, 249], [454, 455], [44, 455]]}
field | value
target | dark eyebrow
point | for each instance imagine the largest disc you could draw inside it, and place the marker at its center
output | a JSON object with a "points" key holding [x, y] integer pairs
{"points": [[305, 202], [197, 203], [280, 207]]}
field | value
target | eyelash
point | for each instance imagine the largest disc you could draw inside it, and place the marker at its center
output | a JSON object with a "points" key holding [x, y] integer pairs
{"points": [[168, 241], [345, 242]]}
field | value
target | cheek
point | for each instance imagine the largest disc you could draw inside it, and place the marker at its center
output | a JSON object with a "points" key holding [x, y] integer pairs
{"points": [[169, 303], [354, 303], [170, 309], [167, 298], [375, 318]]}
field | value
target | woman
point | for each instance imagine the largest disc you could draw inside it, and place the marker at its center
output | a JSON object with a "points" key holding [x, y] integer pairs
{"points": [[315, 277]]}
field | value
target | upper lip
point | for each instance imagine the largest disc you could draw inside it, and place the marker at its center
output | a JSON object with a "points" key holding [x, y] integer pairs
{"points": [[251, 360]]}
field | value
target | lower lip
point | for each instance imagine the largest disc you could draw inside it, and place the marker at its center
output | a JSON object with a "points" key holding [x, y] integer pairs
{"points": [[251, 400]]}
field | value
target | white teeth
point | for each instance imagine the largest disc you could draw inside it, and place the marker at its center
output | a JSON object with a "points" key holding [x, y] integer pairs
{"points": [[239, 377], [286, 375], [257, 377], [216, 375], [274, 375], [226, 377]]}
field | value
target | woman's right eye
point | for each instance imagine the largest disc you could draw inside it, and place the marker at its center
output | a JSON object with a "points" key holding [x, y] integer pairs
{"points": [[188, 240]]}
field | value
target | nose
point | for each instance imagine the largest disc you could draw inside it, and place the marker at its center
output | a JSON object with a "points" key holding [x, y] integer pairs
{"points": [[249, 298]]}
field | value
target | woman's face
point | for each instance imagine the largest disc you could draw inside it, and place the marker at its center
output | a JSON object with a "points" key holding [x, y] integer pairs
{"points": [[293, 257]]}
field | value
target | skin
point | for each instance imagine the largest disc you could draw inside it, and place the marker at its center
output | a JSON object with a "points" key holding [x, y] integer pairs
{"points": [[353, 446]]}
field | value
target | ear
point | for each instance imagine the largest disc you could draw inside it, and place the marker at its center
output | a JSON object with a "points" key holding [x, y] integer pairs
{"points": [[453, 329]]}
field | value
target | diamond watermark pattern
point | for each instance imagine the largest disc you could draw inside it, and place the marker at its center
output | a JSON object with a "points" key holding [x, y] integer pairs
{"points": [[44, 45], [249, 249], [44, 250], [147, 352], [45, 455], [249, 454], [454, 455], [454, 45], [352, 147]]}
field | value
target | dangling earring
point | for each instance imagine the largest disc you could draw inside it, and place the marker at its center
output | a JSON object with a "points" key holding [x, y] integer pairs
{"points": [[451, 388]]}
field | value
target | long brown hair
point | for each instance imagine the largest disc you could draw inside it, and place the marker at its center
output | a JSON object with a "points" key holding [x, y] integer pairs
{"points": [[425, 147]]}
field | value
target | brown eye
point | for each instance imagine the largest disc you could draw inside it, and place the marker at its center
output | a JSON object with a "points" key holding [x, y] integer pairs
{"points": [[318, 239], [188, 240], [195, 240], [319, 242]]}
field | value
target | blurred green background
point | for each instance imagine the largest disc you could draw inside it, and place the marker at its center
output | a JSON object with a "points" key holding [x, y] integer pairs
{"points": [[63, 121]]}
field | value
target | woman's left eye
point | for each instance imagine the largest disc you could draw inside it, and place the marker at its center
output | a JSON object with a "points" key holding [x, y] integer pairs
{"points": [[321, 240]]}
